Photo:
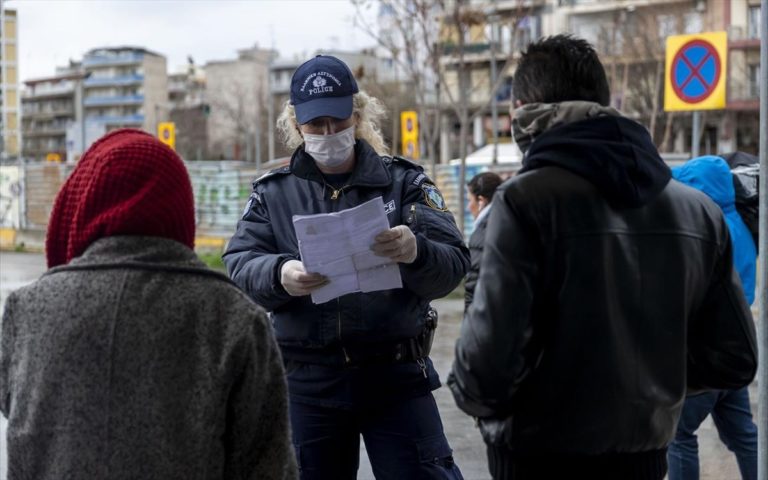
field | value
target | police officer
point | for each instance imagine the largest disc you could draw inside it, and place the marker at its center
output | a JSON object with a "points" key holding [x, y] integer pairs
{"points": [[356, 365]]}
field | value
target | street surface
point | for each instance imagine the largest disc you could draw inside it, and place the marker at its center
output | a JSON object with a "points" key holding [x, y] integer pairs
{"points": [[717, 463]]}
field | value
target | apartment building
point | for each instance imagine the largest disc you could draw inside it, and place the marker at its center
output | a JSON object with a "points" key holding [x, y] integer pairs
{"points": [[494, 32], [189, 111], [630, 36], [10, 100], [125, 87], [237, 92], [50, 107]]}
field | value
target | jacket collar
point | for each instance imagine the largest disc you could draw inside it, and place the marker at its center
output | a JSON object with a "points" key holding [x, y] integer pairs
{"points": [[128, 249], [369, 171]]}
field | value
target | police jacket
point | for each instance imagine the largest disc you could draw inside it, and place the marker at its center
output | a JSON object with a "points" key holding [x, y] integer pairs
{"points": [[265, 239], [606, 292]]}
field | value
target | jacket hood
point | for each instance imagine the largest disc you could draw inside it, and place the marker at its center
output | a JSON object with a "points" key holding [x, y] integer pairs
{"points": [[711, 175], [614, 153]]}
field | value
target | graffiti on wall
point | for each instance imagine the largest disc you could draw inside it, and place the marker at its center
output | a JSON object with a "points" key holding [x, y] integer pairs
{"points": [[10, 197]]}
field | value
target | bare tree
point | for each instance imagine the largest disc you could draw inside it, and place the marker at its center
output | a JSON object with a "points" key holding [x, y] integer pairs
{"points": [[428, 40]]}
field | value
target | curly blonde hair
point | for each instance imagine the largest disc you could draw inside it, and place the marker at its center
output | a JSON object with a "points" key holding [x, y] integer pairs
{"points": [[368, 111]]}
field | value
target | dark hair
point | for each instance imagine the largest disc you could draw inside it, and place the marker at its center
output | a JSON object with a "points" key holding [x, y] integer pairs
{"points": [[484, 185], [558, 69]]}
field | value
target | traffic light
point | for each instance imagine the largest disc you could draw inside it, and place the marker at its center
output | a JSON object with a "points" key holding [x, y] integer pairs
{"points": [[206, 109]]}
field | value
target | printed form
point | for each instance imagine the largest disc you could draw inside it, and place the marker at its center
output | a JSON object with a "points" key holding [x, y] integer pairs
{"points": [[338, 245]]}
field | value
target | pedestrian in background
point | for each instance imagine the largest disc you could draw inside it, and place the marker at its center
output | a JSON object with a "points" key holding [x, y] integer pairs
{"points": [[730, 409], [605, 291], [480, 192], [358, 364], [129, 358]]}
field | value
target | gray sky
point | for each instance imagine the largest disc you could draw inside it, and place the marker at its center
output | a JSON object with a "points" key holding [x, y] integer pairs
{"points": [[53, 31]]}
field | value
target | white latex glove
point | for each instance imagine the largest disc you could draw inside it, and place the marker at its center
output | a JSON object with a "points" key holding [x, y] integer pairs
{"points": [[297, 282], [398, 243]]}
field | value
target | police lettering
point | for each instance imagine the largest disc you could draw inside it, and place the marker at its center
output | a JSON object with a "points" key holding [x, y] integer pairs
{"points": [[315, 90]]}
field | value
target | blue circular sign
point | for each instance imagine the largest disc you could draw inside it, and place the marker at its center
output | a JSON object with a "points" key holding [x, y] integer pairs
{"points": [[695, 71]]}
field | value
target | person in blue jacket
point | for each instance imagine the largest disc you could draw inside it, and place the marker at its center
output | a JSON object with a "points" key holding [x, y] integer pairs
{"points": [[730, 409], [358, 364]]}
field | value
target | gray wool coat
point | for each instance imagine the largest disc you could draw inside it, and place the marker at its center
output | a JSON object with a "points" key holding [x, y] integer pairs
{"points": [[136, 361]]}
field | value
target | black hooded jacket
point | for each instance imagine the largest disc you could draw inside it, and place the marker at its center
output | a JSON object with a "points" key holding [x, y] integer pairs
{"points": [[606, 293]]}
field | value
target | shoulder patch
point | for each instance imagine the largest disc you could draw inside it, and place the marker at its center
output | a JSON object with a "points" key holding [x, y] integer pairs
{"points": [[252, 199], [433, 198], [420, 178], [272, 173]]}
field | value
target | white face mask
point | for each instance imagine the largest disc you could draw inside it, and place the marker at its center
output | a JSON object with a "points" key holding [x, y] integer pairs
{"points": [[330, 150]]}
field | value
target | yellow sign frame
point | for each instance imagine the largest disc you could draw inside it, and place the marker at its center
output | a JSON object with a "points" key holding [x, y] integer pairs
{"points": [[166, 133], [674, 98], [409, 137]]}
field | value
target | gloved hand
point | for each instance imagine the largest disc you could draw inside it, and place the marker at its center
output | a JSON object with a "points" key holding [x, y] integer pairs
{"points": [[297, 282], [398, 243]]}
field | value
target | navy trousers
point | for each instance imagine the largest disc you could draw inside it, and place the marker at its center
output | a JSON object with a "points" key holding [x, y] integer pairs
{"points": [[404, 440]]}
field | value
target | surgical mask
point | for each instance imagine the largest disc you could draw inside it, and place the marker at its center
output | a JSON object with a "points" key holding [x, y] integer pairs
{"points": [[330, 150]]}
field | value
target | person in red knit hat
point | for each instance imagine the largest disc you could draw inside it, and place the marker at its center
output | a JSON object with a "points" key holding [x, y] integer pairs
{"points": [[127, 183], [129, 358]]}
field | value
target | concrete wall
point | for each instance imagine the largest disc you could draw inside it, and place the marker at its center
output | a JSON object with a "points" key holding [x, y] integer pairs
{"points": [[155, 92]]}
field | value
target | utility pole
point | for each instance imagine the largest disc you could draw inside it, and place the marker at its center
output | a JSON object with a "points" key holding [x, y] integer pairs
{"points": [[493, 19], [762, 283]]}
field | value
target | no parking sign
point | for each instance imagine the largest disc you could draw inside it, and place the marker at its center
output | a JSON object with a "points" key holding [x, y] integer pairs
{"points": [[695, 72]]}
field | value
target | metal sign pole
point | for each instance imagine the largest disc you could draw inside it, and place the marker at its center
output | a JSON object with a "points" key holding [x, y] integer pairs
{"points": [[762, 381], [695, 134]]}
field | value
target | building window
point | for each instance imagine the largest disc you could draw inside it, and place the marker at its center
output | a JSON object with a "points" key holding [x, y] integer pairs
{"points": [[754, 80], [692, 22], [667, 26], [526, 31], [753, 22]]}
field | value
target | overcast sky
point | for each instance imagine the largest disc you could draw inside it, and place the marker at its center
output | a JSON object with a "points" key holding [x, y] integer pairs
{"points": [[53, 31]]}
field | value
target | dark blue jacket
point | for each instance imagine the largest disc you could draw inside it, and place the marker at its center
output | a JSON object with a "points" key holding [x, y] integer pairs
{"points": [[265, 239]]}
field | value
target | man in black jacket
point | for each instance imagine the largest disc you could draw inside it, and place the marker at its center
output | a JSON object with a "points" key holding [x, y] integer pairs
{"points": [[606, 291], [357, 364], [480, 190]]}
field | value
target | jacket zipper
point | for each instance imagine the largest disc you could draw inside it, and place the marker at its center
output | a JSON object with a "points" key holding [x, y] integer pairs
{"points": [[412, 218], [347, 360], [423, 366], [336, 193]]}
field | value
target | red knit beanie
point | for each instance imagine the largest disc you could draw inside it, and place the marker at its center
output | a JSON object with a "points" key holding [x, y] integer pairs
{"points": [[127, 183]]}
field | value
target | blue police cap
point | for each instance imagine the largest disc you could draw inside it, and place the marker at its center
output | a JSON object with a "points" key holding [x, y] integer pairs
{"points": [[322, 87]]}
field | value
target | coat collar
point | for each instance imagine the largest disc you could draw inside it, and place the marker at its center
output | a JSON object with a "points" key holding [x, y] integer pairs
{"points": [[370, 169], [128, 249]]}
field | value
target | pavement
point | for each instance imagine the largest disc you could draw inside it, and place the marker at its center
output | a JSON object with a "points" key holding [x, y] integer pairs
{"points": [[717, 463]]}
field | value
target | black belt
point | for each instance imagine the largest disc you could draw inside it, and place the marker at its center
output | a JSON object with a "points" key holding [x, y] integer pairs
{"points": [[409, 350]]}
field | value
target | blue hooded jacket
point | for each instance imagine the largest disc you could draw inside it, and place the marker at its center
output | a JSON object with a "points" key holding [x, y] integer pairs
{"points": [[711, 175]]}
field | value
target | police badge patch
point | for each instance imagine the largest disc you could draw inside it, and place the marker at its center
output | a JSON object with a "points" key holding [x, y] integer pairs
{"points": [[251, 199], [433, 197]]}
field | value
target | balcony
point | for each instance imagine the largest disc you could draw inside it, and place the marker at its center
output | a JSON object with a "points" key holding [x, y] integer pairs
{"points": [[126, 58], [117, 119], [45, 132], [66, 90], [48, 113], [114, 81], [116, 100]]}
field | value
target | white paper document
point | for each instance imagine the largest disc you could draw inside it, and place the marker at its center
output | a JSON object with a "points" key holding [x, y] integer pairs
{"points": [[338, 245]]}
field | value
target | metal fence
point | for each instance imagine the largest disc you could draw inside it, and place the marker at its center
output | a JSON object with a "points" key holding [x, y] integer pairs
{"points": [[221, 189], [27, 193]]}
